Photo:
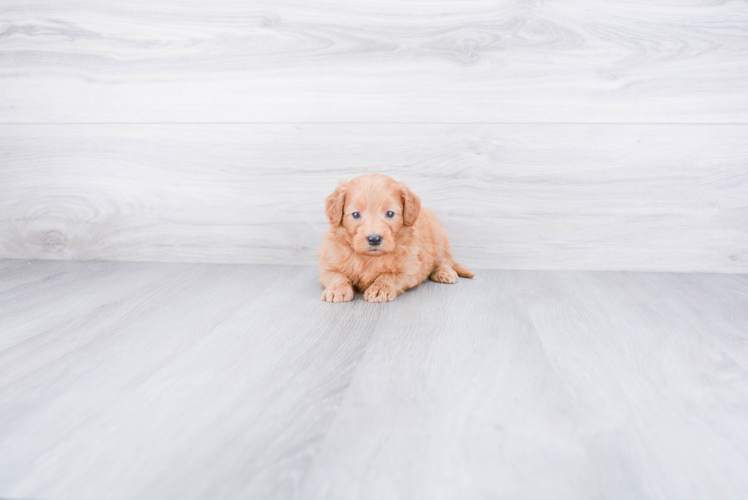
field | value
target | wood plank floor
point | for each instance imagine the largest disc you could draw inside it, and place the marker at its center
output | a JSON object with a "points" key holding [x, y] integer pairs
{"points": [[154, 380]]}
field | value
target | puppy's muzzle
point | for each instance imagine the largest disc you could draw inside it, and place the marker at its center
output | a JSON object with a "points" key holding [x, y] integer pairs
{"points": [[374, 239]]}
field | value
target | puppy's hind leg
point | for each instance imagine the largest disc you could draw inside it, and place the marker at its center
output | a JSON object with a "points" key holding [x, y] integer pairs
{"points": [[448, 273], [444, 274]]}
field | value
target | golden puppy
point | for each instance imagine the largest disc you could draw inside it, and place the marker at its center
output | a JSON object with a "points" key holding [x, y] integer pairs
{"points": [[381, 242]]}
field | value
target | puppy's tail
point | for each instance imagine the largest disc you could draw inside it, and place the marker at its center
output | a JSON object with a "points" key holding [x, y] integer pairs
{"points": [[462, 271]]}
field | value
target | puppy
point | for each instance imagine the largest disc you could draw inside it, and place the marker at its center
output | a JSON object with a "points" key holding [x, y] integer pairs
{"points": [[381, 242]]}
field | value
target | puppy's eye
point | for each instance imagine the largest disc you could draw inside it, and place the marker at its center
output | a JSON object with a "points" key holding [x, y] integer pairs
{"points": [[390, 214], [356, 215]]}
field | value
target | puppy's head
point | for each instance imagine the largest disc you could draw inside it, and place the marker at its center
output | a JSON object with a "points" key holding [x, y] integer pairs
{"points": [[372, 209]]}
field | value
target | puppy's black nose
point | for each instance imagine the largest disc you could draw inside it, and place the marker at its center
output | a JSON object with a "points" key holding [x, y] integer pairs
{"points": [[374, 239]]}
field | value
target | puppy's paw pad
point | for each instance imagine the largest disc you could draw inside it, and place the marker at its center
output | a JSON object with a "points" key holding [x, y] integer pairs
{"points": [[444, 275], [338, 294], [380, 293]]}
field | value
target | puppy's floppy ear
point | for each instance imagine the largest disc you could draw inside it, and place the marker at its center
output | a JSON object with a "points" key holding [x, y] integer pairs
{"points": [[411, 205], [334, 204]]}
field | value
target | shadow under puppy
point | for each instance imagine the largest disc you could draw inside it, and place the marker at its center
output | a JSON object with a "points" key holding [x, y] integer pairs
{"points": [[381, 242]]}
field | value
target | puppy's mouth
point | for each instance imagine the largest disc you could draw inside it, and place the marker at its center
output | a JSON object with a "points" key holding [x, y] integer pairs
{"points": [[372, 250]]}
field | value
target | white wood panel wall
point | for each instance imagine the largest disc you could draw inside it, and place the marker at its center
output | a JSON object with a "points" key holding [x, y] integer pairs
{"points": [[375, 60], [545, 134], [657, 197]]}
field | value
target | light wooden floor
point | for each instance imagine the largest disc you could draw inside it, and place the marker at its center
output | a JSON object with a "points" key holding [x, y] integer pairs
{"points": [[137, 380]]}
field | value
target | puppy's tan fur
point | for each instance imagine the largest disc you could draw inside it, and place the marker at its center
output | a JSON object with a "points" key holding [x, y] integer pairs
{"points": [[414, 246]]}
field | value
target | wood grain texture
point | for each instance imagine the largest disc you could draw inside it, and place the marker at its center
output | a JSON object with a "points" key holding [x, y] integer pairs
{"points": [[236, 381], [363, 61], [627, 197]]}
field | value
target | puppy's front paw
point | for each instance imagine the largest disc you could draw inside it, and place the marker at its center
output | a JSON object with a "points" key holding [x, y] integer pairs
{"points": [[380, 292], [338, 293]]}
